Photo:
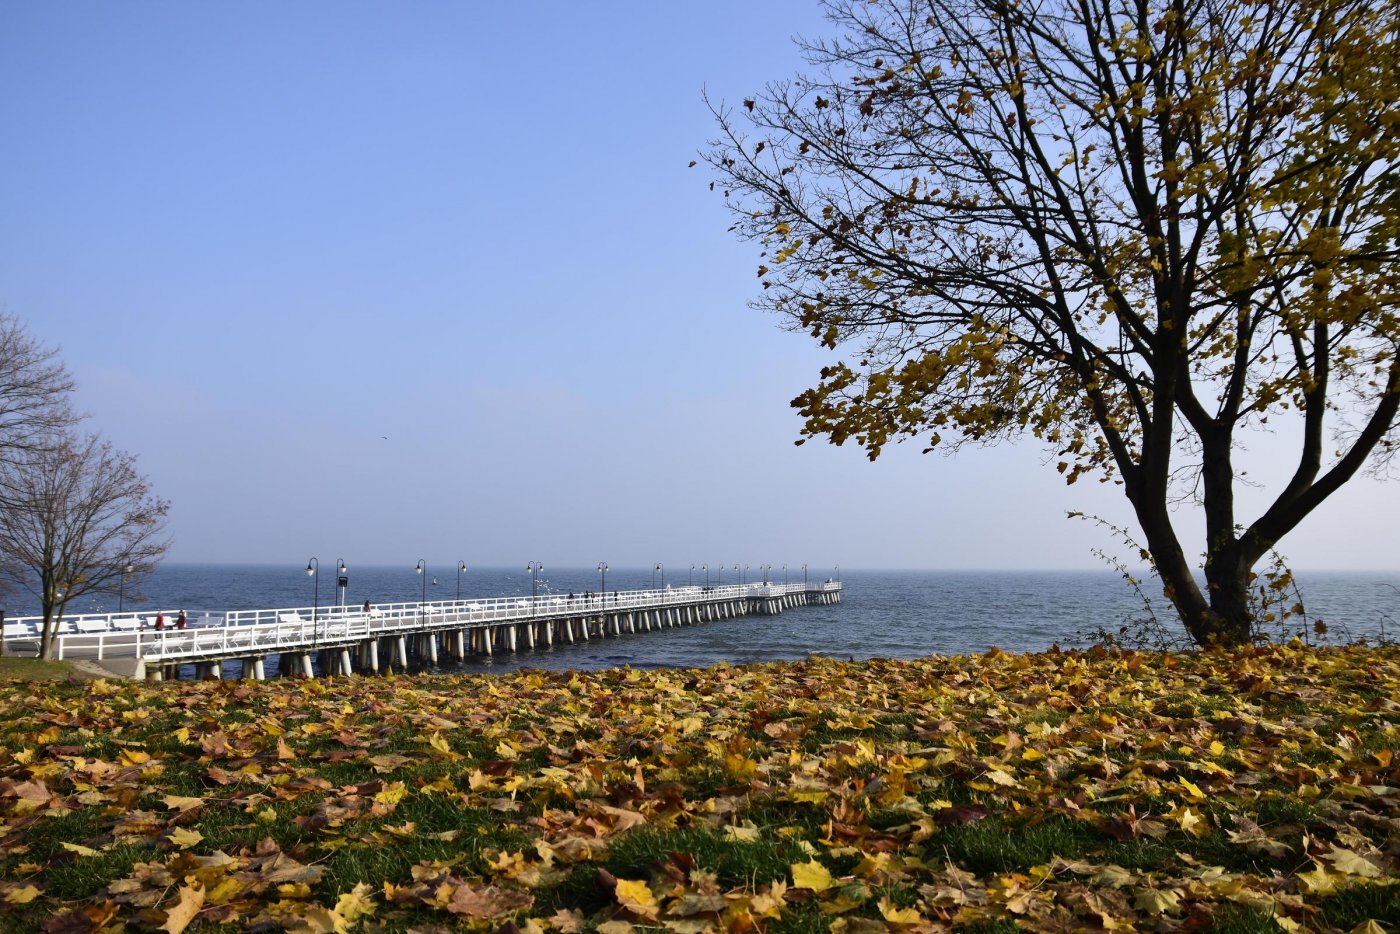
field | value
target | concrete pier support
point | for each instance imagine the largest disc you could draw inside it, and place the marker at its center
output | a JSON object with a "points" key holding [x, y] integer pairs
{"points": [[401, 653], [511, 632]]}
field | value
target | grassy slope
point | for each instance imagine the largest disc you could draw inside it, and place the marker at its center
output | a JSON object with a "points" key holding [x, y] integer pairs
{"points": [[33, 669], [1249, 792]]}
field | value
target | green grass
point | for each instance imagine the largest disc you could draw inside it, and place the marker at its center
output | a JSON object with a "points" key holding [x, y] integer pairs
{"points": [[35, 669]]}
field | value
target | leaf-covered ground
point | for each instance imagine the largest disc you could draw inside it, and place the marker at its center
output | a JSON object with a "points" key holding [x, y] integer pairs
{"points": [[1249, 791]]}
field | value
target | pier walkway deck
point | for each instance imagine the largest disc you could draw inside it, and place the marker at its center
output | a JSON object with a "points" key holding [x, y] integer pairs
{"points": [[339, 640]]}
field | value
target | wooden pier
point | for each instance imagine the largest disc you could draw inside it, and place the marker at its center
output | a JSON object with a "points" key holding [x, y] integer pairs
{"points": [[341, 640]]}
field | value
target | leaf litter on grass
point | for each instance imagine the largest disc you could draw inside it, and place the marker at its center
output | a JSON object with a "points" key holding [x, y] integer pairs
{"points": [[1099, 790]]}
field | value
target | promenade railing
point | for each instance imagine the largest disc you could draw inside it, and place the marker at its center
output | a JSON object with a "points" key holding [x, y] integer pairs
{"points": [[264, 631]]}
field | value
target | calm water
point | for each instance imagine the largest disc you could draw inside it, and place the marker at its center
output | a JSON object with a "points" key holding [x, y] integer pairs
{"points": [[900, 614]]}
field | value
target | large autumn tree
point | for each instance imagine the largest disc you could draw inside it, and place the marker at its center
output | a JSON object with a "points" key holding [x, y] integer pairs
{"points": [[1136, 229]]}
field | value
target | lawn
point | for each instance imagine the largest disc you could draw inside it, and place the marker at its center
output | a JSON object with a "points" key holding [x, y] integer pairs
{"points": [[35, 669], [1256, 790]]}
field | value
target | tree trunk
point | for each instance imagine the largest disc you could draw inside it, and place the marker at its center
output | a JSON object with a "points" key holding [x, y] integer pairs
{"points": [[1223, 618], [1227, 580]]}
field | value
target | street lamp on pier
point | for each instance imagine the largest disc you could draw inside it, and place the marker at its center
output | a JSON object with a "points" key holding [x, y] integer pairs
{"points": [[838, 573], [534, 568], [719, 576], [602, 582], [691, 581], [766, 568], [420, 569], [662, 568], [743, 575], [785, 577], [313, 571], [461, 566], [804, 575], [706, 569]]}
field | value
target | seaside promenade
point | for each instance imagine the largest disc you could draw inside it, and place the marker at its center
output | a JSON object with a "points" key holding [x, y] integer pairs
{"points": [[341, 640]]}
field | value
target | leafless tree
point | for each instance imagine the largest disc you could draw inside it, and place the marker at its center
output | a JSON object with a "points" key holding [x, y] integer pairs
{"points": [[78, 515], [34, 390]]}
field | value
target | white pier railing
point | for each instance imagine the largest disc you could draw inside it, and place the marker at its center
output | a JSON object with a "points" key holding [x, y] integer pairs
{"points": [[260, 632]]}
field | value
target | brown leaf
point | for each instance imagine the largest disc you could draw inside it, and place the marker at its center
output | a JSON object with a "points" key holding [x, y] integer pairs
{"points": [[487, 902]]}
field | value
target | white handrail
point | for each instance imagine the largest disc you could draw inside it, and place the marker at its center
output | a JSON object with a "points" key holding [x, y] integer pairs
{"points": [[112, 635]]}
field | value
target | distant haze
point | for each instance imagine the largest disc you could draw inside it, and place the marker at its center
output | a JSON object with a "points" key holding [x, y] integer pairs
{"points": [[389, 282]]}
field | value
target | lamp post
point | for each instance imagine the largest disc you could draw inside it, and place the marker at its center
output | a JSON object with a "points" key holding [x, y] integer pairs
{"points": [[659, 567], [342, 582], [602, 582], [691, 581], [313, 571], [121, 587], [719, 576], [766, 568], [838, 573], [785, 577], [461, 566], [804, 575], [706, 569], [420, 568], [743, 575], [534, 567]]}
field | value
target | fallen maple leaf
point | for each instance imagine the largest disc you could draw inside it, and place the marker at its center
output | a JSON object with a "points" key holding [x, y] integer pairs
{"points": [[179, 916]]}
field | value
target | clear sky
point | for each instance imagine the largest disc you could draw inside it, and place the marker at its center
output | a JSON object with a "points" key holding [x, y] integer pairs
{"points": [[389, 281]]}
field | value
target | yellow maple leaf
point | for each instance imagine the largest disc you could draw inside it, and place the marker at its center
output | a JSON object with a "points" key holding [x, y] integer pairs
{"points": [[898, 915], [1191, 790], [744, 833], [179, 915], [636, 897], [1156, 901], [1367, 927], [78, 848], [185, 838], [1317, 881], [1352, 863], [22, 896], [810, 875], [393, 794], [769, 904], [134, 757], [182, 803], [356, 903]]}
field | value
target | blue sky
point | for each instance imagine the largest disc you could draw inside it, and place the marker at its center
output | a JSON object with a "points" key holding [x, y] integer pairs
{"points": [[386, 281]]}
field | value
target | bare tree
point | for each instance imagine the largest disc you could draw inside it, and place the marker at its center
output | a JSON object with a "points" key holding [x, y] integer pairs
{"points": [[1138, 230], [34, 390], [78, 514]]}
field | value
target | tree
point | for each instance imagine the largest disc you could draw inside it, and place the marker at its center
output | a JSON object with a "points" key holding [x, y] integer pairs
{"points": [[78, 516], [1137, 229], [34, 390]]}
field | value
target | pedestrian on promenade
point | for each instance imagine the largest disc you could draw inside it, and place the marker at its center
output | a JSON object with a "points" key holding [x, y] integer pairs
{"points": [[160, 620], [180, 621]]}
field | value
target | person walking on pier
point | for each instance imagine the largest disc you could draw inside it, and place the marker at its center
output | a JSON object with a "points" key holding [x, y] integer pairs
{"points": [[160, 620], [180, 621]]}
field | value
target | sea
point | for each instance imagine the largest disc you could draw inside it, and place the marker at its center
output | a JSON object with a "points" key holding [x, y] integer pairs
{"points": [[889, 614]]}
